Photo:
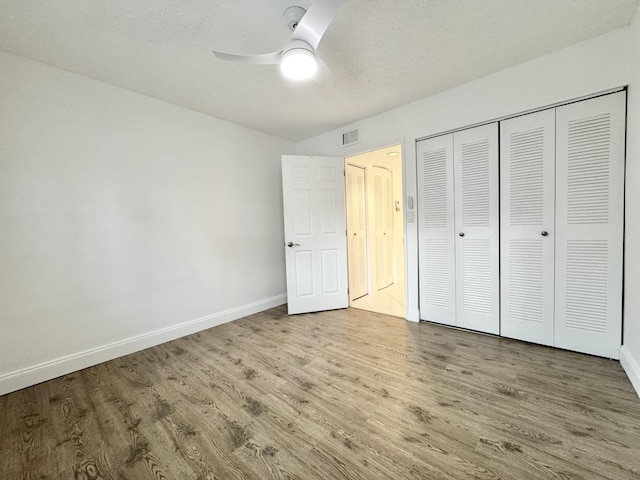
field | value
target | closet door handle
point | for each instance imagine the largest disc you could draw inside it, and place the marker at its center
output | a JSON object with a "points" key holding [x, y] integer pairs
{"points": [[461, 234], [544, 233]]}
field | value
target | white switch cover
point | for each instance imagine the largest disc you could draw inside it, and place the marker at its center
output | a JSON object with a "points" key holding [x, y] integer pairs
{"points": [[411, 216]]}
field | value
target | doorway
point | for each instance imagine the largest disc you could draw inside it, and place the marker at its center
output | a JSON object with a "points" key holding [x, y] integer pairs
{"points": [[375, 233]]}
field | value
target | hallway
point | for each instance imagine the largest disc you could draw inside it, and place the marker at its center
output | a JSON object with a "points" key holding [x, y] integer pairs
{"points": [[389, 301]]}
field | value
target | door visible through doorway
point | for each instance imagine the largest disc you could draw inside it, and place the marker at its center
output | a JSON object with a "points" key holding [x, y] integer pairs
{"points": [[375, 230]]}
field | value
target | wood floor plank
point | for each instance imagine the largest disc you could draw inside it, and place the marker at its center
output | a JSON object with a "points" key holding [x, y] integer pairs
{"points": [[345, 394]]}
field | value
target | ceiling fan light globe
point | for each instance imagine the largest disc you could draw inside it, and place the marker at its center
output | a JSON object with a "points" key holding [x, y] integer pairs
{"points": [[298, 64]]}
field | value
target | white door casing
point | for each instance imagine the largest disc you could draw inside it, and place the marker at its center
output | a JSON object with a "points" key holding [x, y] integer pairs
{"points": [[527, 226], [315, 227], [475, 159], [589, 225], [436, 230], [357, 231]]}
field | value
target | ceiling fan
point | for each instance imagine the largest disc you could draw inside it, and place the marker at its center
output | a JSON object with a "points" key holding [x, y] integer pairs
{"points": [[297, 58]]}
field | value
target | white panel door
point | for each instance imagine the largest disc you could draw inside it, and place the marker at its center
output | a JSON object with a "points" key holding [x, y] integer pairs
{"points": [[315, 233], [475, 160], [383, 215], [527, 226], [357, 231], [589, 225], [436, 230]]}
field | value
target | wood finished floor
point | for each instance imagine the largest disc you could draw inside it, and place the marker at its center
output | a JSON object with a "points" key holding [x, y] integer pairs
{"points": [[346, 394]]}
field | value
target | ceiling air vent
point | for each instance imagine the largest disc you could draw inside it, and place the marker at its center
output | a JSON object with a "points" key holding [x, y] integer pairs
{"points": [[349, 138]]}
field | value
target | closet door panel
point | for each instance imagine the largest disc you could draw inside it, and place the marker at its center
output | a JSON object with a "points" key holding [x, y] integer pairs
{"points": [[527, 226], [436, 230], [589, 225], [476, 228]]}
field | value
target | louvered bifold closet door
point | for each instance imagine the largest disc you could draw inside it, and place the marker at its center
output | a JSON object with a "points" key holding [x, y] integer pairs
{"points": [[477, 228], [436, 230], [527, 226], [589, 225]]}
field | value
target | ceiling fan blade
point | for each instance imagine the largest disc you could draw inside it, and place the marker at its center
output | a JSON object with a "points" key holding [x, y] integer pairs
{"points": [[316, 21], [324, 74], [264, 59]]}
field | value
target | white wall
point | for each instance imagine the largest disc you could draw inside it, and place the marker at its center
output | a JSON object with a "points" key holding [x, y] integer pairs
{"points": [[123, 217], [630, 355], [588, 67]]}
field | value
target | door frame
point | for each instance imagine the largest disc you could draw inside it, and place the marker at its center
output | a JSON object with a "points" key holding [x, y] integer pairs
{"points": [[360, 150]]}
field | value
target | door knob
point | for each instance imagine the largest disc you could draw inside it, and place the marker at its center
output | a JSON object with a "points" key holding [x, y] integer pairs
{"points": [[291, 244], [461, 234], [544, 233]]}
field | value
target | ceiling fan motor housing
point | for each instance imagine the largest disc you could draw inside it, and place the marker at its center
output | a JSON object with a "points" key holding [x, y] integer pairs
{"points": [[292, 16]]}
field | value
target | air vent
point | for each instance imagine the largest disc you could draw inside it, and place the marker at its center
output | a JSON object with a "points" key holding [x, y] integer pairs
{"points": [[350, 138]]}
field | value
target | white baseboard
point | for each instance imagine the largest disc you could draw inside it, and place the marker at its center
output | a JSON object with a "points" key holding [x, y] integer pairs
{"points": [[26, 377], [631, 367]]}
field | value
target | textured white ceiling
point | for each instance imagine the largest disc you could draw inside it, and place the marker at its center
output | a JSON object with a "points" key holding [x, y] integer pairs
{"points": [[383, 53]]}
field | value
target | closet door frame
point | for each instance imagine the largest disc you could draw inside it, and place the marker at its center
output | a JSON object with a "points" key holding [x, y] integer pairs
{"points": [[604, 343]]}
